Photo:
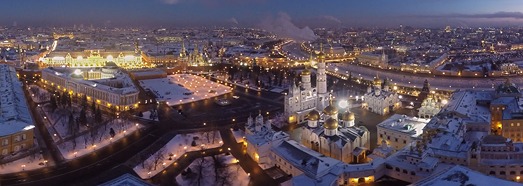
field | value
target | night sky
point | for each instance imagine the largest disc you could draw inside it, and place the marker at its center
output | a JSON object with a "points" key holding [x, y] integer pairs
{"points": [[313, 13]]}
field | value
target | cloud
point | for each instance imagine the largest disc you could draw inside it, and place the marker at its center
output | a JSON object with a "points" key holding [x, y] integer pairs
{"points": [[495, 15], [283, 27], [233, 20], [513, 15], [331, 18], [170, 2]]}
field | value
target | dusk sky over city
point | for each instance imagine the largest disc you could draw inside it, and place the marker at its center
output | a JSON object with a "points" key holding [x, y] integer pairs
{"points": [[250, 12], [261, 92]]}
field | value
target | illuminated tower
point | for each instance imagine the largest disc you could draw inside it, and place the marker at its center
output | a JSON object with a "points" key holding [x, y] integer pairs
{"points": [[321, 81]]}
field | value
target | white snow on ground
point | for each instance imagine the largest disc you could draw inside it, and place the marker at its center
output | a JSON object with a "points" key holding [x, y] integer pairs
{"points": [[177, 146], [30, 162], [38, 95], [236, 175], [239, 135], [183, 88], [84, 143]]}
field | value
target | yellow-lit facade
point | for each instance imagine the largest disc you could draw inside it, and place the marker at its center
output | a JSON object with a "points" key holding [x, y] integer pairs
{"points": [[118, 100], [16, 142], [93, 58]]}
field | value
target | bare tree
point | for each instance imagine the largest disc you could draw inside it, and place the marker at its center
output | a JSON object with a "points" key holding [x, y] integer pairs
{"points": [[224, 175], [158, 156]]}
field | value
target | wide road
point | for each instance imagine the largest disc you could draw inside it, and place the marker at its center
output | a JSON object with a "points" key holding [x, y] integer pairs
{"points": [[416, 80]]}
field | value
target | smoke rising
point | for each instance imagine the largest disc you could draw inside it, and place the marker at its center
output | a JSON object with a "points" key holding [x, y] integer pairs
{"points": [[283, 27]]}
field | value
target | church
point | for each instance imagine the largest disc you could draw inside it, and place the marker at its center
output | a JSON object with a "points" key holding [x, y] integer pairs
{"points": [[341, 140], [300, 100], [381, 100]]}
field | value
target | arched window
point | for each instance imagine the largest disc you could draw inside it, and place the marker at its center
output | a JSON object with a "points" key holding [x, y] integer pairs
{"points": [[492, 173], [502, 173]]}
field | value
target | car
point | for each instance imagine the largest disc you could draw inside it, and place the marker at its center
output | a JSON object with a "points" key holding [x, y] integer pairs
{"points": [[235, 97]]}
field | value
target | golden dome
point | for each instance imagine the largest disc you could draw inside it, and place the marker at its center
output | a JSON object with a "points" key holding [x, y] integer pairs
{"points": [[331, 109], [313, 115], [330, 124], [348, 116], [377, 80], [305, 72]]}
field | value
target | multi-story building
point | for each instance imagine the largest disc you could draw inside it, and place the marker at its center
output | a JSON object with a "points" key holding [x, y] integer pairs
{"points": [[381, 100], [301, 100], [400, 130], [116, 92], [340, 140], [16, 122], [373, 59], [92, 58]]}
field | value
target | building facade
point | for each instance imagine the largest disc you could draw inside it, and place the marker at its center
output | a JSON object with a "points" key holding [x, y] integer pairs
{"points": [[117, 93], [92, 58], [16, 122], [381, 100], [300, 100]]}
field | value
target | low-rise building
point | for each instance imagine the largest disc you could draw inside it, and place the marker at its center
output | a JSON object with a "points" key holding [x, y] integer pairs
{"points": [[400, 130], [117, 92], [16, 122]]}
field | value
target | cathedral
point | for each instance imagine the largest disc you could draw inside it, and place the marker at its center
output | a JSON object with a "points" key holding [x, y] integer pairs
{"points": [[338, 139], [300, 100], [381, 100]]}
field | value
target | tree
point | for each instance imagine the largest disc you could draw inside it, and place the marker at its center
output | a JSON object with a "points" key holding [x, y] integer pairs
{"points": [[63, 99], [98, 116], [93, 106], [52, 100], [84, 101], [159, 155], [83, 117], [69, 100]]}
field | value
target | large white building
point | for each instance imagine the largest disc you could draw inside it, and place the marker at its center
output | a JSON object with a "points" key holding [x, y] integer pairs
{"points": [[399, 130], [118, 91], [381, 100], [300, 100], [93, 58], [259, 139], [430, 107], [340, 140]]}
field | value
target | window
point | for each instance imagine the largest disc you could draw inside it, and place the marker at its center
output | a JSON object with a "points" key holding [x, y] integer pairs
{"points": [[17, 148], [493, 173], [512, 172], [502, 173], [405, 171], [5, 142], [24, 136], [412, 173], [404, 141], [4, 151]]}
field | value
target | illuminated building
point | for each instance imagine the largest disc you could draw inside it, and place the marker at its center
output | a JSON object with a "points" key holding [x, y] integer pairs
{"points": [[399, 130], [116, 91], [91, 58], [381, 100], [340, 140], [16, 123], [301, 100]]}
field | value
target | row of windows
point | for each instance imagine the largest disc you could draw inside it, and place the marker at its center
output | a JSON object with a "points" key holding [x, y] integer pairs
{"points": [[504, 173]]}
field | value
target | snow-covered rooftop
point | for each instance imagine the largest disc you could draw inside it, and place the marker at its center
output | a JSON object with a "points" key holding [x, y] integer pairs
{"points": [[312, 163], [459, 175], [401, 123], [14, 112], [127, 180], [102, 84]]}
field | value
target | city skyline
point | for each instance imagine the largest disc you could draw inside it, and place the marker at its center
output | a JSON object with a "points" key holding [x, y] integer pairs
{"points": [[254, 13]]}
